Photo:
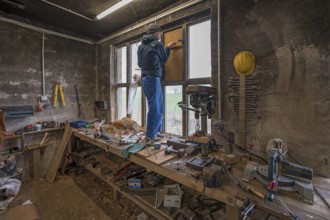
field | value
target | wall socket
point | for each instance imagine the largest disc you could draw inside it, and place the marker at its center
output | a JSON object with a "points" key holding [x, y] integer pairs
{"points": [[43, 98]]}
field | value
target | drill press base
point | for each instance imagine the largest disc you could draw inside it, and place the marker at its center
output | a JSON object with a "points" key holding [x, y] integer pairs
{"points": [[198, 163]]}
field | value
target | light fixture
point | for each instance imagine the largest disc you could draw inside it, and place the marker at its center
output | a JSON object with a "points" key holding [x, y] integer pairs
{"points": [[112, 9]]}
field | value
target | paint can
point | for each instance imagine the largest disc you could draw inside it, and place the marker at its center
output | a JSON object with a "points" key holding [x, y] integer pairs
{"points": [[37, 127]]}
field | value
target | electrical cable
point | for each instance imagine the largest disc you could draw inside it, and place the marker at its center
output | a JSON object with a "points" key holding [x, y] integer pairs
{"points": [[174, 118], [297, 162], [241, 148]]}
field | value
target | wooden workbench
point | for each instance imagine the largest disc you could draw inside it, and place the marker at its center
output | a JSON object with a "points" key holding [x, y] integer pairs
{"points": [[229, 192]]}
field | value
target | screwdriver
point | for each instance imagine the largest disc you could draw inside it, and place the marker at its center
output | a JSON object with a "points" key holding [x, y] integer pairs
{"points": [[293, 216]]}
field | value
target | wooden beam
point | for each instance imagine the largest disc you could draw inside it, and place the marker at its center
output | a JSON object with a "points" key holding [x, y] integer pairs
{"points": [[59, 155]]}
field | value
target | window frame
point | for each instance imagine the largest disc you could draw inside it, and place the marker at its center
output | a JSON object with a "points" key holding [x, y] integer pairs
{"points": [[185, 80]]}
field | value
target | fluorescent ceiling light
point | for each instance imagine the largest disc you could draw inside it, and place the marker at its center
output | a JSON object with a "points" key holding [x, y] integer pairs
{"points": [[112, 9]]}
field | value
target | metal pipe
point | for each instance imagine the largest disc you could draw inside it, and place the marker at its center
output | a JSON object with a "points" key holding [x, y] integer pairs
{"points": [[43, 64], [42, 30], [161, 15], [219, 63], [67, 10]]}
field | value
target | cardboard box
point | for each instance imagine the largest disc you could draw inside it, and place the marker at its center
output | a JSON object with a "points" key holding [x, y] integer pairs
{"points": [[173, 196], [172, 201], [134, 183]]}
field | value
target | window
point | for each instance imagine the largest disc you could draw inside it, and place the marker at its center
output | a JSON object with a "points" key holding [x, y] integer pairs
{"points": [[191, 64], [135, 68], [121, 102], [121, 59], [199, 64], [137, 107], [173, 114], [199, 50]]}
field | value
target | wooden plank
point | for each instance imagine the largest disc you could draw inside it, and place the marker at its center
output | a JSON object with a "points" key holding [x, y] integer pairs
{"points": [[241, 116], [110, 164], [160, 157], [136, 199], [175, 63], [36, 162], [146, 152], [232, 212], [59, 155], [66, 154]]}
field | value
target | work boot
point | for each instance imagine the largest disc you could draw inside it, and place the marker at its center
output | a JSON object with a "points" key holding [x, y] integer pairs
{"points": [[160, 134], [150, 141]]}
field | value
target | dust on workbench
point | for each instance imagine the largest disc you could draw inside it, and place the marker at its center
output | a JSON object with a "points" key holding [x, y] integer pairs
{"points": [[77, 196]]}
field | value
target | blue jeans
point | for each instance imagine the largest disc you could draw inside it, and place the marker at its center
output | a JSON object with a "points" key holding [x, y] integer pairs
{"points": [[152, 89]]}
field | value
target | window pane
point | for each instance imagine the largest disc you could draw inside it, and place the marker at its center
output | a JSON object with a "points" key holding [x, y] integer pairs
{"points": [[137, 107], [173, 114], [121, 102], [200, 50], [121, 57], [135, 67]]}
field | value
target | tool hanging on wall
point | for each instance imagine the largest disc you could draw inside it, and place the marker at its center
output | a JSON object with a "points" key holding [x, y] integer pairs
{"points": [[80, 107], [58, 86]]}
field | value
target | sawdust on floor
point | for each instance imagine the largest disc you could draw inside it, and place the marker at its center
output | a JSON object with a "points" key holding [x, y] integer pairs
{"points": [[82, 197]]}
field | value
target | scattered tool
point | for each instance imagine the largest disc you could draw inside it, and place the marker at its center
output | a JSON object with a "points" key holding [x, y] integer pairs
{"points": [[214, 175], [199, 162], [58, 86], [100, 134], [292, 215], [247, 211], [80, 107], [275, 159], [171, 150], [250, 189], [281, 174]]}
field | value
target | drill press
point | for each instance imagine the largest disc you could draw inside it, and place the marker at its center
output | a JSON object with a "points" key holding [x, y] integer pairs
{"points": [[202, 100]]}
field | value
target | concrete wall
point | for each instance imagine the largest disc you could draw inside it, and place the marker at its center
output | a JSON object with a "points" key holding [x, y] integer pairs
{"points": [[291, 43], [71, 62], [66, 60]]}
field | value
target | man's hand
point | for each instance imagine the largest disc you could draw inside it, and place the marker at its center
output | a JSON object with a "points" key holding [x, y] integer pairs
{"points": [[171, 45]]}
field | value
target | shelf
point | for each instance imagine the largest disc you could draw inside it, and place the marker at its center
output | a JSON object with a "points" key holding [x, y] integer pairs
{"points": [[34, 132], [145, 205]]}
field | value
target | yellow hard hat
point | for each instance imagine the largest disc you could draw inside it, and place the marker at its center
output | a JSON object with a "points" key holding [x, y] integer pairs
{"points": [[244, 63]]}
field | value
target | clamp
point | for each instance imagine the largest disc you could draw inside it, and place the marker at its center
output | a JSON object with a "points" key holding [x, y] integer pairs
{"points": [[58, 86]]}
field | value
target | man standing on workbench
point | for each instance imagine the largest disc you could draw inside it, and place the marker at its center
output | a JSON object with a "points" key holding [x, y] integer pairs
{"points": [[151, 56]]}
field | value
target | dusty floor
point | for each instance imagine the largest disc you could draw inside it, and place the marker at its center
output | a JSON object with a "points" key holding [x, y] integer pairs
{"points": [[81, 197]]}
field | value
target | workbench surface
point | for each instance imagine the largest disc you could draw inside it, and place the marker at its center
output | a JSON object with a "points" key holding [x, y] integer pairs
{"points": [[174, 168]]}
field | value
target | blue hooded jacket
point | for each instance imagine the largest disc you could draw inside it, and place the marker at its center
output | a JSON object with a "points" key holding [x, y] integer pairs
{"points": [[152, 55]]}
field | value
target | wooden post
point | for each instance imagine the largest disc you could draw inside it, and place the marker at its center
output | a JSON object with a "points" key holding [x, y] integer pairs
{"points": [[241, 116], [232, 212], [36, 162], [59, 155]]}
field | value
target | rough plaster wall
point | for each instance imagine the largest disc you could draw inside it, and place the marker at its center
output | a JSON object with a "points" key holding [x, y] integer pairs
{"points": [[104, 80], [291, 43], [21, 81], [21, 74]]}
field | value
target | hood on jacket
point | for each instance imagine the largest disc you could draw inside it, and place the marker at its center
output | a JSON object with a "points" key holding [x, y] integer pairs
{"points": [[146, 39]]}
